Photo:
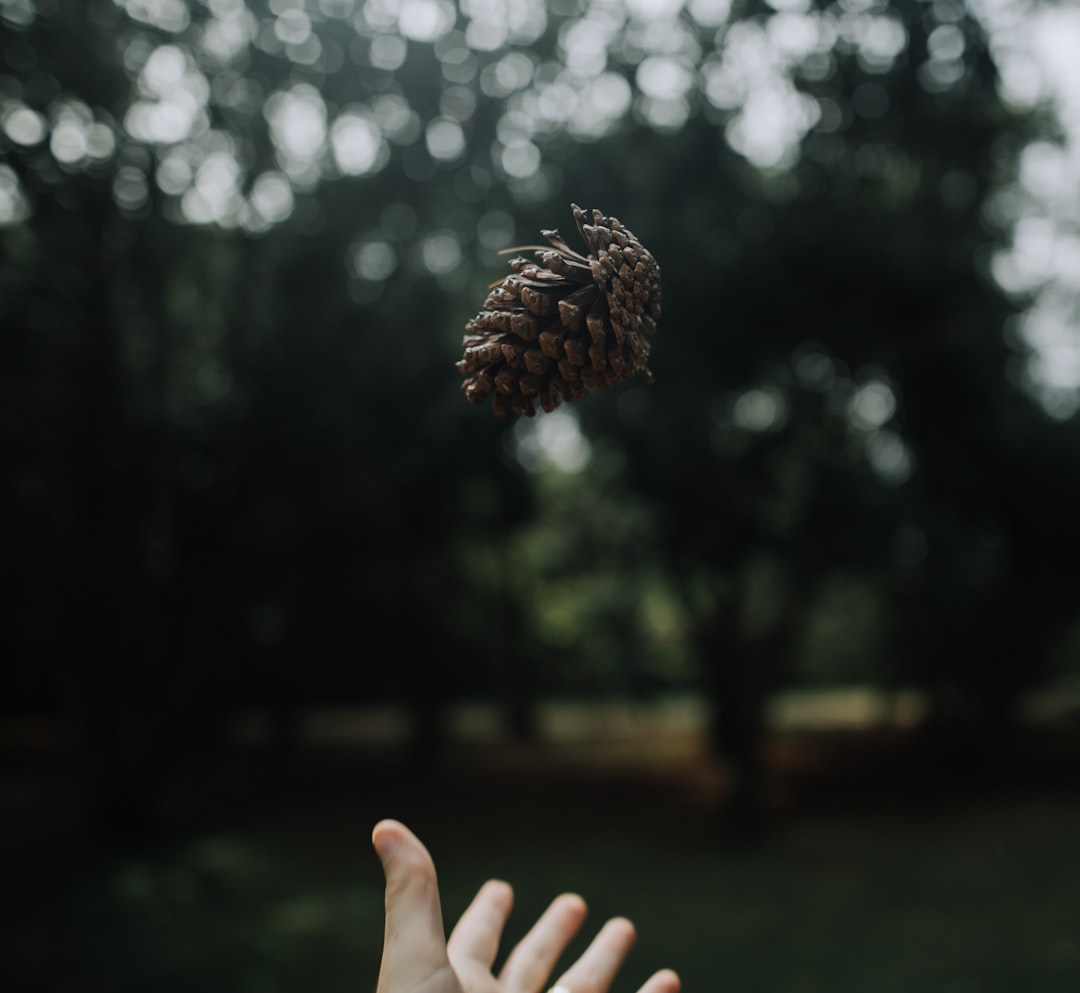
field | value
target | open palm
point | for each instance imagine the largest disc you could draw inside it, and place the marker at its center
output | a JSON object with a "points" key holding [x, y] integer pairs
{"points": [[417, 957]]}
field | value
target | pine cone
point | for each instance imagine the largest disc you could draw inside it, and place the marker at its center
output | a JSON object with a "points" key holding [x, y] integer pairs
{"points": [[559, 326]]}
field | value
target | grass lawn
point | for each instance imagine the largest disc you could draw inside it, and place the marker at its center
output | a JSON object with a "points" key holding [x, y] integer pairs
{"points": [[267, 882]]}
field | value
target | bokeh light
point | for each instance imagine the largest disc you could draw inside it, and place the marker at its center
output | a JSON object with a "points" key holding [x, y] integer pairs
{"points": [[418, 71], [554, 442], [14, 206]]}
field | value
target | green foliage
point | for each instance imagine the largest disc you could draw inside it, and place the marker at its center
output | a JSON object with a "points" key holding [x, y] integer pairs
{"points": [[239, 467]]}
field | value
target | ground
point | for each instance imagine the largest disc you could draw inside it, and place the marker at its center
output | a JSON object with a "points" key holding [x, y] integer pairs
{"points": [[870, 875]]}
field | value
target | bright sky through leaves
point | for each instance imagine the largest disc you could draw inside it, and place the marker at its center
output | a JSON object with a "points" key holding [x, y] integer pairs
{"points": [[196, 107]]}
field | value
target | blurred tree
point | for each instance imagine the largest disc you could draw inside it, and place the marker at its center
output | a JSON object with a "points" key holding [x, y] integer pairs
{"points": [[240, 241], [232, 483], [833, 391]]}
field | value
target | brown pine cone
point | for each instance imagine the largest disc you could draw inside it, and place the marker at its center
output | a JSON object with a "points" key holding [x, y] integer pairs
{"points": [[565, 323]]}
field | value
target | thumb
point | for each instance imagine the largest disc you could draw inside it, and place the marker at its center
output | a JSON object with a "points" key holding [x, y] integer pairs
{"points": [[414, 946]]}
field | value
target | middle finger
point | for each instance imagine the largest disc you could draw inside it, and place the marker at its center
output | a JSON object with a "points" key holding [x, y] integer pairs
{"points": [[529, 965], [595, 971]]}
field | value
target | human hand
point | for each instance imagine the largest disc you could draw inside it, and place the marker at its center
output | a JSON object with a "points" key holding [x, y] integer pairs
{"points": [[417, 957]]}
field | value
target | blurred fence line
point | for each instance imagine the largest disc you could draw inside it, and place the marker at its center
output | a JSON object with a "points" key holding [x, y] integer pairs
{"points": [[664, 728]]}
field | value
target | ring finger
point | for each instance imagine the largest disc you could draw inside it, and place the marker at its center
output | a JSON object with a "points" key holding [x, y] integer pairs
{"points": [[595, 970]]}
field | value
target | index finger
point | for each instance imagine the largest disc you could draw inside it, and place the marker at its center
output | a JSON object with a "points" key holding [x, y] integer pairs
{"points": [[475, 938]]}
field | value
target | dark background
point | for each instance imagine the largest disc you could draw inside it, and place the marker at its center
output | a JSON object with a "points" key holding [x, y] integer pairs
{"points": [[777, 655]]}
